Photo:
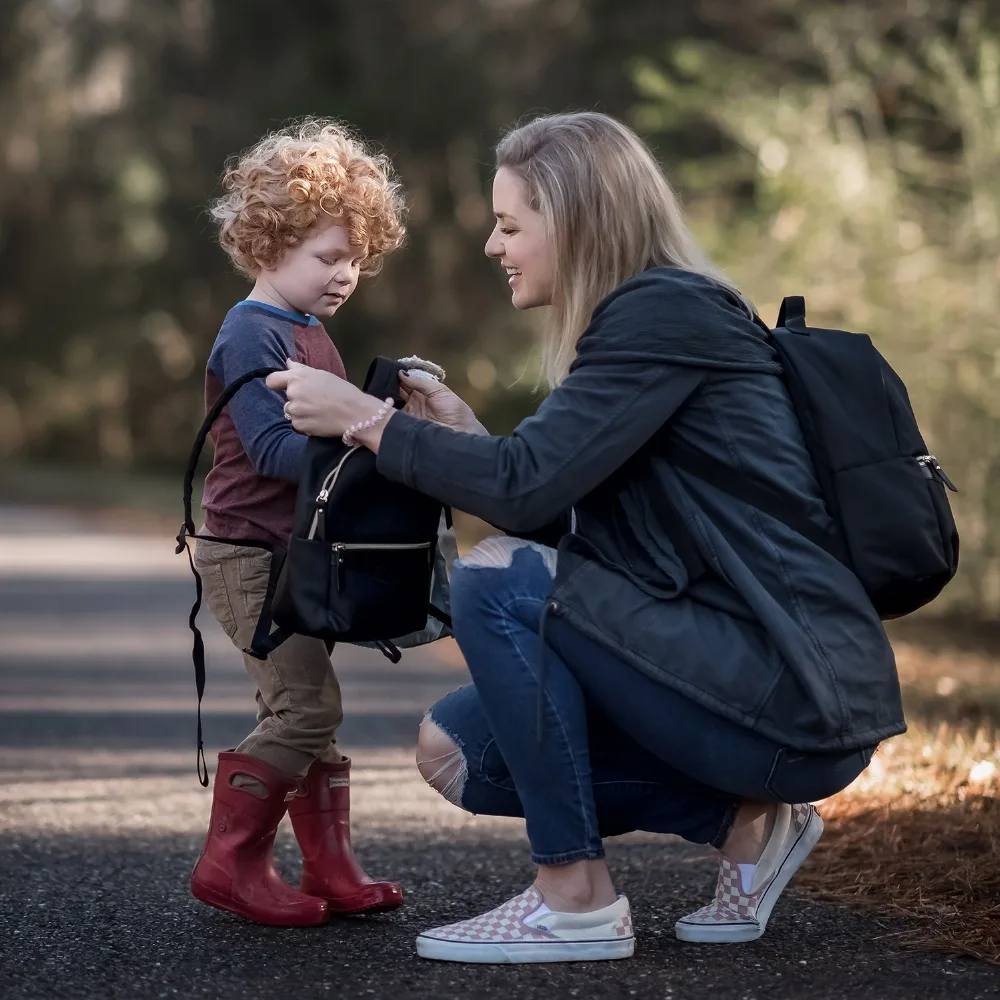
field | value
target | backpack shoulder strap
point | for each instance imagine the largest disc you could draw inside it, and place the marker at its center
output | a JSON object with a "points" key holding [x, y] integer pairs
{"points": [[747, 488], [188, 531], [187, 528]]}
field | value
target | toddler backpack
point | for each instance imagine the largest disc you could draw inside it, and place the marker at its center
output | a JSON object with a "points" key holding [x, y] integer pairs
{"points": [[893, 524], [362, 559]]}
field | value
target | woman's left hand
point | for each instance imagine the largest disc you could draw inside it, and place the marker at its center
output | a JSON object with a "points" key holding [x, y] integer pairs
{"points": [[322, 405]]}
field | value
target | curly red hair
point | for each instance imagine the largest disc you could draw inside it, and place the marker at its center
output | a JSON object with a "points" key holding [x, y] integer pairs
{"points": [[277, 189]]}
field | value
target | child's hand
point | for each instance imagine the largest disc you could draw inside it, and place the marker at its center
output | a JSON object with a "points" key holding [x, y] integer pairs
{"points": [[430, 400]]}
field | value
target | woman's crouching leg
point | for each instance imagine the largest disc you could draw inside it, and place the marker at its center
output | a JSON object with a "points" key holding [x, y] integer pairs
{"points": [[441, 762], [457, 756]]}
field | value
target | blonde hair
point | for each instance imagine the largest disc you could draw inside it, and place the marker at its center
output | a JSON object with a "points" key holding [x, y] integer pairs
{"points": [[277, 189], [609, 211]]}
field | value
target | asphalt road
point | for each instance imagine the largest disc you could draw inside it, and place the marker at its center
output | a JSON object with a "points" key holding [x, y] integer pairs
{"points": [[102, 817]]}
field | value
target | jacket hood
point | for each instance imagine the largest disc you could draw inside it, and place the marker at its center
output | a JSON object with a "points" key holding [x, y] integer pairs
{"points": [[667, 315]]}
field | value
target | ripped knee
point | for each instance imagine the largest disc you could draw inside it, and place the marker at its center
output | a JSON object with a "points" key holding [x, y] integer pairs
{"points": [[441, 762], [497, 552]]}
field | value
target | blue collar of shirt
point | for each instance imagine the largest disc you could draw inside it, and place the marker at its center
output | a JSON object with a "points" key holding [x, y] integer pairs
{"points": [[302, 319]]}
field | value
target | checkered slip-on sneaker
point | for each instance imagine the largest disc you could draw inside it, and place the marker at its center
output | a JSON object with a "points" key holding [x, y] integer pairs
{"points": [[524, 929], [735, 915]]}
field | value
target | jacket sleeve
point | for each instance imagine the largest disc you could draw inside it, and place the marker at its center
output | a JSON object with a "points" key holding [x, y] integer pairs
{"points": [[275, 449], [609, 405]]}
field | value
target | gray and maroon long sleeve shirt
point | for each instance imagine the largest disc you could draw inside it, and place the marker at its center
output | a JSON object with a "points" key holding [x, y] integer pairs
{"points": [[250, 491]]}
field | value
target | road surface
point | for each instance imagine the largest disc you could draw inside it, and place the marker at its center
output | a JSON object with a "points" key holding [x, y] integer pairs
{"points": [[101, 818]]}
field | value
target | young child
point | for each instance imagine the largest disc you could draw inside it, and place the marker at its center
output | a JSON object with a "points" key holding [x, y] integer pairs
{"points": [[307, 211]]}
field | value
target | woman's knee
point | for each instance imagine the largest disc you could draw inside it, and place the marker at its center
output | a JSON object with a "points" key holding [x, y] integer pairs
{"points": [[498, 569], [498, 551], [441, 762]]}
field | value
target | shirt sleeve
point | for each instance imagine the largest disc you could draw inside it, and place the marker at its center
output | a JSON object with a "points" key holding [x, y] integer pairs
{"points": [[589, 426], [275, 449]]}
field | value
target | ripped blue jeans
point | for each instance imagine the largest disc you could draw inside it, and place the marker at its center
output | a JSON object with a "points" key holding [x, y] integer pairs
{"points": [[616, 751]]}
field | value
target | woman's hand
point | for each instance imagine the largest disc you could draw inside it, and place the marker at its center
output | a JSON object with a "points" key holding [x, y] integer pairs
{"points": [[323, 405], [430, 400]]}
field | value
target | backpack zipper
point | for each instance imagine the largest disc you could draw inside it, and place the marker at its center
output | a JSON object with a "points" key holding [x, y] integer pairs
{"points": [[324, 494], [932, 470], [339, 548]]}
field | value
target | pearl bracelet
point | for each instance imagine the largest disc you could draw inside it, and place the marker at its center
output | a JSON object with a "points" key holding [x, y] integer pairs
{"points": [[383, 411]]}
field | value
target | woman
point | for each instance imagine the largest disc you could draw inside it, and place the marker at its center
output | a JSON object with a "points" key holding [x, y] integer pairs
{"points": [[683, 663]]}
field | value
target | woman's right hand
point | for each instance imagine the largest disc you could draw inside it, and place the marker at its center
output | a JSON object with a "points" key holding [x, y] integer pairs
{"points": [[432, 400]]}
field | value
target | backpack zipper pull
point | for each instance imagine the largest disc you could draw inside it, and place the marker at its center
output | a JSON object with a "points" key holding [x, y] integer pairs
{"points": [[338, 565], [932, 469]]}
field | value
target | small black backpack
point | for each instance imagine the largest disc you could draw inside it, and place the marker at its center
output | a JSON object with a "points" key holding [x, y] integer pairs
{"points": [[893, 523], [360, 563]]}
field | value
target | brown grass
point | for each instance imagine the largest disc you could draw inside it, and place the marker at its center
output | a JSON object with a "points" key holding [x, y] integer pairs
{"points": [[918, 835]]}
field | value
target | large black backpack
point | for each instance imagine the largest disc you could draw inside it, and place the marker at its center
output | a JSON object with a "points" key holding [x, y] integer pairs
{"points": [[886, 495], [358, 566]]}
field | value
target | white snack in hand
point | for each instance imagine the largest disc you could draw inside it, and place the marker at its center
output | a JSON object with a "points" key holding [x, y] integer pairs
{"points": [[419, 368], [420, 373]]}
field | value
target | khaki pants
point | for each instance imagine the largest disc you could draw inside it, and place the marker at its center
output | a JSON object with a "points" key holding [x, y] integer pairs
{"points": [[298, 696]]}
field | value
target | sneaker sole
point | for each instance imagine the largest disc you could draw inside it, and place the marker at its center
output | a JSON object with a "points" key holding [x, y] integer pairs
{"points": [[735, 933], [509, 953]]}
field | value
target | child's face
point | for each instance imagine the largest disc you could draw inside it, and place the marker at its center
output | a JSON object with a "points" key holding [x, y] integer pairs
{"points": [[318, 275]]}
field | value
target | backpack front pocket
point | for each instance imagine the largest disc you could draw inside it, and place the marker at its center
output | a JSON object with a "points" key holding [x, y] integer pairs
{"points": [[379, 590]]}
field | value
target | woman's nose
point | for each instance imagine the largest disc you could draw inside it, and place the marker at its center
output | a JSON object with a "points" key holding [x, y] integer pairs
{"points": [[494, 246]]}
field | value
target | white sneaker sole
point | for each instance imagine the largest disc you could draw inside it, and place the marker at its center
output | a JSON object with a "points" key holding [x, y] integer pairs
{"points": [[512, 953], [740, 931]]}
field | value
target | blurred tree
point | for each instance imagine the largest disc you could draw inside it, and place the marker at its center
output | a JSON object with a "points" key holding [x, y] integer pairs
{"points": [[861, 167], [844, 150], [116, 118]]}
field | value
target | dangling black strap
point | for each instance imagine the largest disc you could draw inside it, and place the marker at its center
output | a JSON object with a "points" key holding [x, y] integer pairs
{"points": [[187, 531], [198, 656], [389, 650]]}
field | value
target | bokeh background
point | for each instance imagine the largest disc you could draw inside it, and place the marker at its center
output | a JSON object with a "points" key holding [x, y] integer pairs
{"points": [[848, 151]]}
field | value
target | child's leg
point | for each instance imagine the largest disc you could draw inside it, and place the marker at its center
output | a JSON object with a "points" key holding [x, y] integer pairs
{"points": [[298, 696], [298, 712]]}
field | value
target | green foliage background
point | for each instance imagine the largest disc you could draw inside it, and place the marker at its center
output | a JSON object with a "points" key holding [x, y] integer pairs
{"points": [[846, 151]]}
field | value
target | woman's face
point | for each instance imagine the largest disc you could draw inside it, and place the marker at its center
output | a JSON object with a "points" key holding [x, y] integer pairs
{"points": [[521, 244]]}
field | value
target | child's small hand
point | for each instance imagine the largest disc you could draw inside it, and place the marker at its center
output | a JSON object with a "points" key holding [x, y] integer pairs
{"points": [[430, 400]]}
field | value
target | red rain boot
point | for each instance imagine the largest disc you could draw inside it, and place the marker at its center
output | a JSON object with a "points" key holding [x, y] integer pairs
{"points": [[236, 871], [321, 819]]}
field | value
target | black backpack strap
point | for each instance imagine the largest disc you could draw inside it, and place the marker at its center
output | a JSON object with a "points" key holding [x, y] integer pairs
{"points": [[442, 616], [198, 657], [187, 528], [265, 641], [388, 649], [188, 531]]}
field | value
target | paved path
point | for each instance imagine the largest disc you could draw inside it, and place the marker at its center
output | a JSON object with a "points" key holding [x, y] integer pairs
{"points": [[101, 817]]}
